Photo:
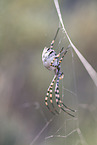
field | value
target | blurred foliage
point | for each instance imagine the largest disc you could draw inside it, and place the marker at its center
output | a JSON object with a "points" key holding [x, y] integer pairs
{"points": [[26, 27]]}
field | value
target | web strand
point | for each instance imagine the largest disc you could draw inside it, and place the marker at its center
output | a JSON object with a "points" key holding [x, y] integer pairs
{"points": [[43, 129], [75, 129], [88, 67]]}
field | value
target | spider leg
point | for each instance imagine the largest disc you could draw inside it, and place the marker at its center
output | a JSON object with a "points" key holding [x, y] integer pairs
{"points": [[61, 76], [56, 57], [58, 100], [67, 107], [49, 92], [52, 43], [63, 56]]}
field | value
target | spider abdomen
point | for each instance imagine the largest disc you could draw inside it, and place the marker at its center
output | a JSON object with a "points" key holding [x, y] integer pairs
{"points": [[48, 55]]}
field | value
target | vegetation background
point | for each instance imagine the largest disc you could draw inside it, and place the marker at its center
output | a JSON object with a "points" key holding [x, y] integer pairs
{"points": [[26, 27]]}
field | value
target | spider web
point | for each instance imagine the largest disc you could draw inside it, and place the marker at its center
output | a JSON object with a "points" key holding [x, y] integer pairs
{"points": [[63, 129], [39, 126]]}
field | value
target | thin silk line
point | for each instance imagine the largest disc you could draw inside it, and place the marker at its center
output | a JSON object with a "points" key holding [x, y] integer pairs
{"points": [[88, 67]]}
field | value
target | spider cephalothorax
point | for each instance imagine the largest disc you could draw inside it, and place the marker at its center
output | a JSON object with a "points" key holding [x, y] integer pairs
{"points": [[52, 62]]}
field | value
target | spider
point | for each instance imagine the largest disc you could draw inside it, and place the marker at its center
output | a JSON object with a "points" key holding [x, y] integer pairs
{"points": [[52, 62]]}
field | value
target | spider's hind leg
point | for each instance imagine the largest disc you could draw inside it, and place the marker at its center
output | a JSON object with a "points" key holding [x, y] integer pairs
{"points": [[61, 77], [49, 95], [59, 101]]}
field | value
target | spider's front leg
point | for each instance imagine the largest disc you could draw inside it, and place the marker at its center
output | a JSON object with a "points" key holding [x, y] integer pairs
{"points": [[53, 41]]}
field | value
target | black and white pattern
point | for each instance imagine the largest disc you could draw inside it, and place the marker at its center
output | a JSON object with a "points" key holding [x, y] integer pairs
{"points": [[52, 62]]}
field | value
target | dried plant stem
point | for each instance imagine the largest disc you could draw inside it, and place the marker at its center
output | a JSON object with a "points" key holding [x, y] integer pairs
{"points": [[88, 67]]}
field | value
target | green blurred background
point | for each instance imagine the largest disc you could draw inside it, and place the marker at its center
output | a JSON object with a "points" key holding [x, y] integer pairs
{"points": [[26, 27]]}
